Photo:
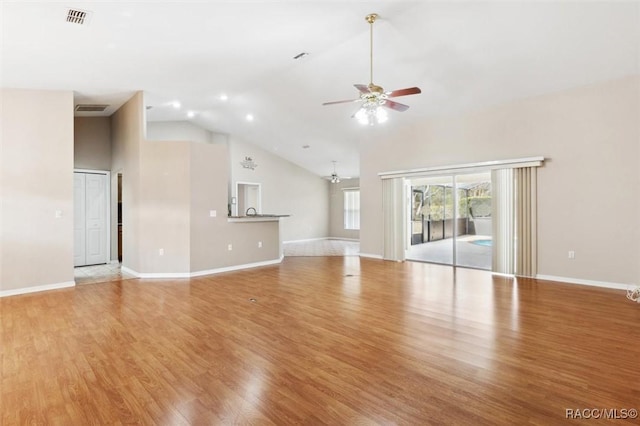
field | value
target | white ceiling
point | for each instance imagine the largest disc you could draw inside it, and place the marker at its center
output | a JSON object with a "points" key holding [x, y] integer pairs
{"points": [[463, 55]]}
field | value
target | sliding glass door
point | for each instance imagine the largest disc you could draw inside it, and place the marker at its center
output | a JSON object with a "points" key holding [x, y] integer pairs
{"points": [[451, 220]]}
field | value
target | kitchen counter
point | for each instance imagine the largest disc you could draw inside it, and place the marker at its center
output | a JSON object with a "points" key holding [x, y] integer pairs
{"points": [[257, 218]]}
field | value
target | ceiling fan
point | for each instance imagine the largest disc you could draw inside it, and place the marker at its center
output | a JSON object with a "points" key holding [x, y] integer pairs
{"points": [[374, 97], [334, 178]]}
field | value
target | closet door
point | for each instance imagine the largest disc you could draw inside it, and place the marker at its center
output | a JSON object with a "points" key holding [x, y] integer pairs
{"points": [[79, 220], [90, 219]]}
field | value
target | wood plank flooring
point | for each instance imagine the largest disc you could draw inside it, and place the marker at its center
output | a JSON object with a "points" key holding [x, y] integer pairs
{"points": [[328, 340]]}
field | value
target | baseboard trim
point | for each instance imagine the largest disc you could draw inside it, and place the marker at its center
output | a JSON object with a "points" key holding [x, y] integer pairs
{"points": [[38, 288], [371, 256], [355, 240], [161, 275], [237, 267], [579, 281]]}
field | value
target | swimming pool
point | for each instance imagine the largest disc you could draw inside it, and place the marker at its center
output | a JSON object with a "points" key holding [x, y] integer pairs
{"points": [[484, 243]]}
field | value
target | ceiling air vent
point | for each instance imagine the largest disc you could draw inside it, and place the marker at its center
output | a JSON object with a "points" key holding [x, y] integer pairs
{"points": [[90, 108], [76, 16]]}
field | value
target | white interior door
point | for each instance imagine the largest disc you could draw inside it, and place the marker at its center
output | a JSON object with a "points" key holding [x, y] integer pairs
{"points": [[79, 220], [90, 221]]}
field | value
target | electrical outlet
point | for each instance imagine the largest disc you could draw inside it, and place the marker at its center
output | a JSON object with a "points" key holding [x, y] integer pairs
{"points": [[213, 213], [572, 254], [58, 214], [259, 244], [230, 247], [161, 252]]}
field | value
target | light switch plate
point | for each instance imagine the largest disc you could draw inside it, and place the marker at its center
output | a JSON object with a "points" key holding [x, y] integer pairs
{"points": [[213, 213]]}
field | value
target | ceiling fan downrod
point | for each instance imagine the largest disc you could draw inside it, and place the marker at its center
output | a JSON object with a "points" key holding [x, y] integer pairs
{"points": [[371, 18]]}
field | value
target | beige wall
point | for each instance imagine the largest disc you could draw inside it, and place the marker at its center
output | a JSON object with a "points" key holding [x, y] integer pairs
{"points": [[126, 133], [92, 143], [36, 180], [164, 207], [169, 189], [587, 190], [210, 236], [336, 214], [177, 131], [286, 189]]}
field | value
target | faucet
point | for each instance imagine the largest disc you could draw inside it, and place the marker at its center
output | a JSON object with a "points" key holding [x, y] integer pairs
{"points": [[254, 211]]}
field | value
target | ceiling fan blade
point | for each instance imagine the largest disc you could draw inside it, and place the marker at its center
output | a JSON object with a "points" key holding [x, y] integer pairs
{"points": [[404, 92], [342, 102], [396, 106], [363, 88]]}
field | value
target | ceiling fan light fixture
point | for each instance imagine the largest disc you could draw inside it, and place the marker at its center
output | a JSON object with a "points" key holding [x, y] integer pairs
{"points": [[373, 96], [371, 115]]}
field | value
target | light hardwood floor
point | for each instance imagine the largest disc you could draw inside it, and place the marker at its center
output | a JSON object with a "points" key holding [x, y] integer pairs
{"points": [[325, 340]]}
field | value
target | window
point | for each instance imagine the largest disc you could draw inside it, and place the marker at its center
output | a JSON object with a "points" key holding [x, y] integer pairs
{"points": [[351, 209]]}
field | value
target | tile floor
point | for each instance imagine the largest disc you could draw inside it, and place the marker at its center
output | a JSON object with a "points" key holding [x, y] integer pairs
{"points": [[321, 248], [99, 274], [469, 255]]}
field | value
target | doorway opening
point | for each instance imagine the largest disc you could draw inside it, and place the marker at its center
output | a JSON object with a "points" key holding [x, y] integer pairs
{"points": [[249, 198], [450, 220]]}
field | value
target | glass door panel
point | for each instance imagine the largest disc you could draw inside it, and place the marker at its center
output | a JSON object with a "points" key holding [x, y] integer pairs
{"points": [[452, 215], [435, 217], [473, 223]]}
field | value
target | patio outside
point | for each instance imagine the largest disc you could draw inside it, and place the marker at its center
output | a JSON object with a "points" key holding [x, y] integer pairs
{"points": [[432, 221]]}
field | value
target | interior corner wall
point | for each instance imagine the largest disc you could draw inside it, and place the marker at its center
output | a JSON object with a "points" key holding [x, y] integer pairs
{"points": [[336, 215], [127, 129], [285, 189], [36, 182], [92, 143], [587, 189]]}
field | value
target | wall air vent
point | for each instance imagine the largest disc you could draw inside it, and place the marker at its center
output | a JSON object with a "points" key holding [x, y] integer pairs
{"points": [[90, 108], [76, 16]]}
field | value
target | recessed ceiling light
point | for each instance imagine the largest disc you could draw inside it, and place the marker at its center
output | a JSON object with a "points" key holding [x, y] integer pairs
{"points": [[249, 117], [301, 55], [191, 114], [176, 104], [223, 97], [306, 146]]}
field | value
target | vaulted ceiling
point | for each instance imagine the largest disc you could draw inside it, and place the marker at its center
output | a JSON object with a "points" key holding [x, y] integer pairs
{"points": [[463, 55]]}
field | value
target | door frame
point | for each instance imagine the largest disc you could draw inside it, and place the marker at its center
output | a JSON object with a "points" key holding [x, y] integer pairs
{"points": [[453, 176], [107, 215], [237, 196]]}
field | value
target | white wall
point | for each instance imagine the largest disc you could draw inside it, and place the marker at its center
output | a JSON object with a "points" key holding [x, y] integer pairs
{"points": [[587, 190], [286, 189]]}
